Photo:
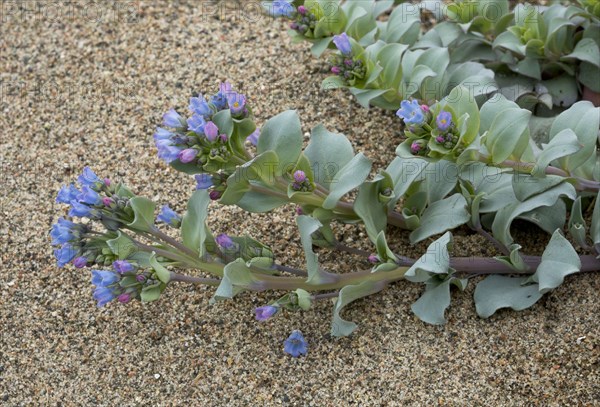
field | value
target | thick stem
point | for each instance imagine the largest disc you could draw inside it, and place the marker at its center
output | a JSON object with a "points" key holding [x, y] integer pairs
{"points": [[195, 280], [173, 242], [502, 248], [527, 168], [465, 265], [325, 296]]}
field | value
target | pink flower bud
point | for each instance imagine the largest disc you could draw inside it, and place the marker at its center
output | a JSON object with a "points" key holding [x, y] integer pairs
{"points": [[336, 70], [373, 259], [124, 298]]}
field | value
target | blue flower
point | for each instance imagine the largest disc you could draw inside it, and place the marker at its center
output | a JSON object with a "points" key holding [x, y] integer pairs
{"points": [[162, 134], [265, 312], [295, 344], [196, 123], [168, 216], [411, 112], [236, 102], [444, 120], [122, 266], [219, 100], [282, 8], [211, 131], [88, 196], [224, 241], [103, 278], [167, 152], [342, 42], [88, 177], [103, 295], [67, 193], [173, 119], [253, 138], [188, 155], [80, 210], [80, 262], [65, 254], [62, 231], [200, 106], [204, 181]]}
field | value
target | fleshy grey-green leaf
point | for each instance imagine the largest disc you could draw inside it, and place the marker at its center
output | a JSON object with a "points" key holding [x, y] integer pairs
{"points": [[497, 292], [558, 261]]}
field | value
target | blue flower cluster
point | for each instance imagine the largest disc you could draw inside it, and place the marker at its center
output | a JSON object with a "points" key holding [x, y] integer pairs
{"points": [[85, 201], [345, 65], [123, 283], [431, 131], [198, 139]]}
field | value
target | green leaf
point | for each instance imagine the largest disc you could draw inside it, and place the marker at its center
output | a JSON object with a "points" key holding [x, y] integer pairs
{"points": [[283, 135], [431, 305], [403, 26], [505, 216], [586, 50], [352, 175], [507, 134], [388, 57], [440, 216], [577, 225], [365, 96], [307, 226], [320, 46], [370, 209], [563, 90], [595, 229], [122, 246], [383, 250], [150, 294], [333, 82], [584, 120], [304, 299], [261, 169], [328, 153], [564, 143], [514, 260], [143, 210], [435, 261], [558, 261], [497, 292], [224, 122], [348, 294], [462, 100], [525, 186], [259, 203], [161, 272], [193, 225], [237, 277], [404, 172]]}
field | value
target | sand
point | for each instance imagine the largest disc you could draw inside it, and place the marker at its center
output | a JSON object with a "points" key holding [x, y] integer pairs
{"points": [[86, 86]]}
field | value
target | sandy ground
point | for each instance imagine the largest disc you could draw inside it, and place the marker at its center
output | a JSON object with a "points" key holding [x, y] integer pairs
{"points": [[87, 85]]}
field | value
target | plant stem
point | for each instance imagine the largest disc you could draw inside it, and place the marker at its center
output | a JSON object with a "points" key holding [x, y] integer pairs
{"points": [[466, 265], [195, 280], [317, 297], [502, 248], [173, 242], [527, 168], [290, 270]]}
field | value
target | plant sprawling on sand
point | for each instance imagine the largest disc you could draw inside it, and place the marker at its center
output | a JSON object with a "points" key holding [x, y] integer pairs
{"points": [[494, 131]]}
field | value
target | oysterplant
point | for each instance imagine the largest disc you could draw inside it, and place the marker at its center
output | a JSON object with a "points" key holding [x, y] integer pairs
{"points": [[469, 158]]}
